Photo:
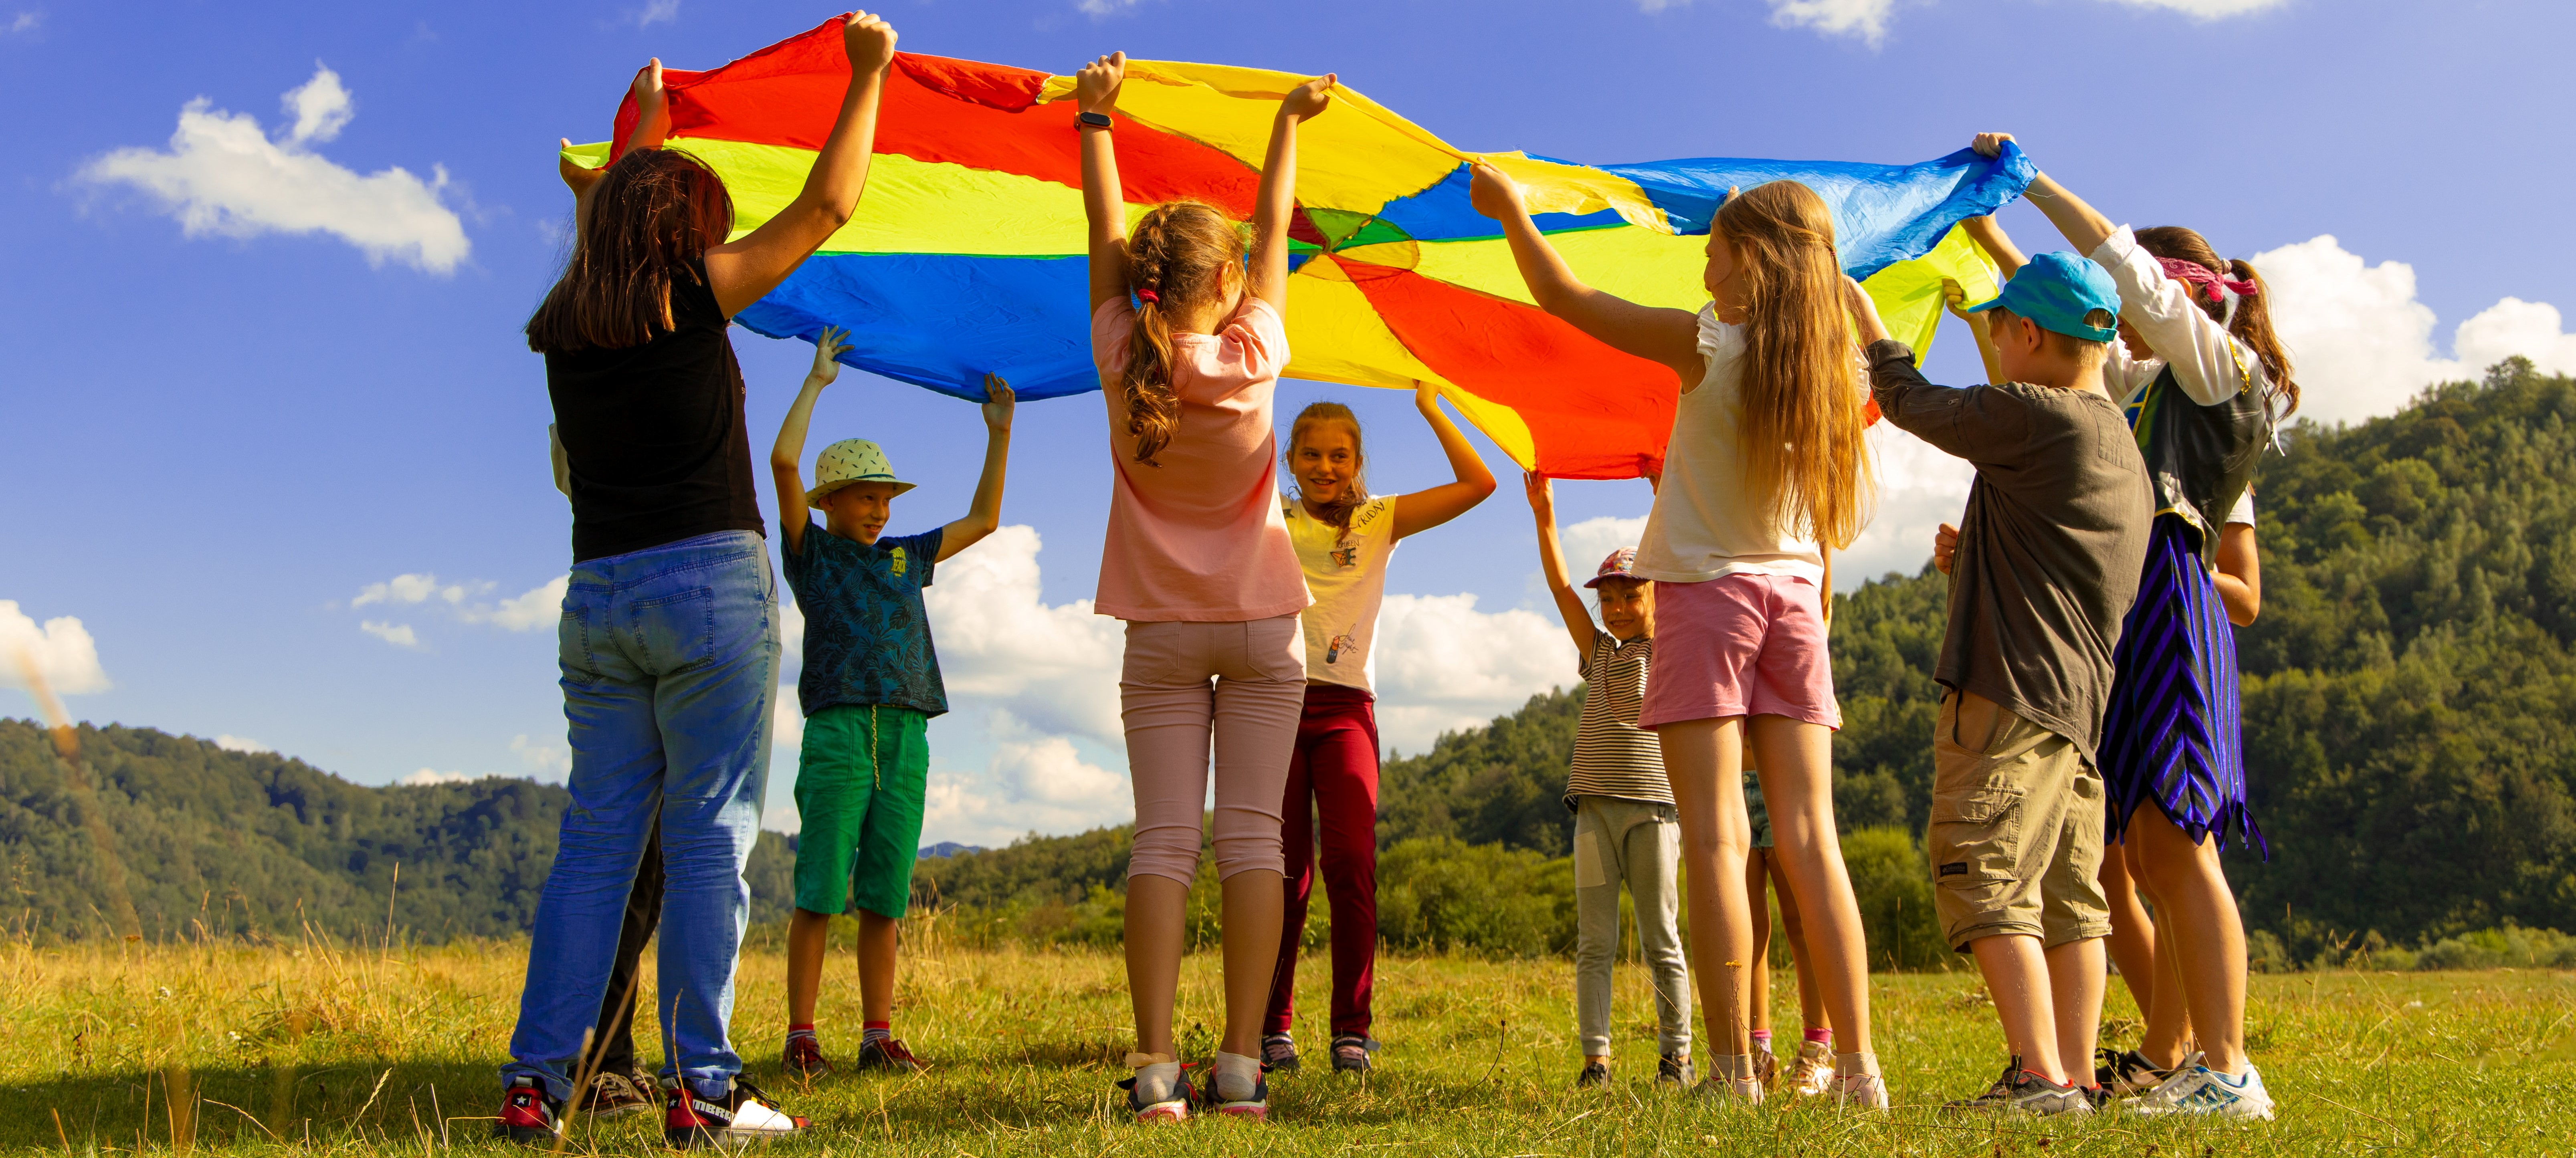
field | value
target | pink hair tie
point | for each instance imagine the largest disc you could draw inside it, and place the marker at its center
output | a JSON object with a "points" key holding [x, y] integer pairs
{"points": [[1148, 296], [2208, 280]]}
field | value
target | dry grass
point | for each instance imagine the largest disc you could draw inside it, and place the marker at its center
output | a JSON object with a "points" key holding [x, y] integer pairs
{"points": [[337, 1049]]}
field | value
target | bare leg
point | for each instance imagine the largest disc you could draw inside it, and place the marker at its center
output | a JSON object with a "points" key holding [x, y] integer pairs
{"points": [[1759, 907], [1796, 766], [2016, 974], [1255, 900], [806, 933], [1157, 908], [879, 938], [1704, 760], [2202, 932], [2075, 984], [1811, 1002], [2133, 931], [2167, 1039]]}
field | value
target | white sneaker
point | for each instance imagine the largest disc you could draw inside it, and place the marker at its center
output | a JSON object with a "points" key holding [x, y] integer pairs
{"points": [[743, 1114], [1861, 1091], [1812, 1074], [2194, 1088]]}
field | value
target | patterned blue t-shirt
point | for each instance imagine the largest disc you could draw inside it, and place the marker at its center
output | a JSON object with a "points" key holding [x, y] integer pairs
{"points": [[867, 638]]}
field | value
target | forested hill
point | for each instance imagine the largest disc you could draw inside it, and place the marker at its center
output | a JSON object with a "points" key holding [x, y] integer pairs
{"points": [[255, 843], [2410, 692]]}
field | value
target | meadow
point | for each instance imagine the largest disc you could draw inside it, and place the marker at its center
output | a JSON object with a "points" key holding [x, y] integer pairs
{"points": [[323, 1048]]}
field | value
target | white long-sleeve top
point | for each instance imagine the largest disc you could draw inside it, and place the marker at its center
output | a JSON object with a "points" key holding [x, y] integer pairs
{"points": [[2209, 364]]}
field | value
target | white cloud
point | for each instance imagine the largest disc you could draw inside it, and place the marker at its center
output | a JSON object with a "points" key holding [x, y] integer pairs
{"points": [[657, 12], [434, 776], [2207, 9], [397, 634], [1919, 488], [410, 589], [2362, 345], [1866, 19], [25, 22], [540, 606], [1589, 542], [1055, 667], [1442, 665], [545, 761], [1032, 783], [61, 652], [222, 176], [232, 743], [1097, 9]]}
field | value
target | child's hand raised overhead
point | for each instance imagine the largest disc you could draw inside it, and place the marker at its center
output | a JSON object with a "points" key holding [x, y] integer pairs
{"points": [[828, 346], [1495, 194], [652, 107], [578, 177], [1095, 88], [869, 41], [1310, 98], [1542, 494], [998, 402], [1990, 144]]}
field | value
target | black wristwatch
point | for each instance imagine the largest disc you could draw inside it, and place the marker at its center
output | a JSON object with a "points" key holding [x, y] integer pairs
{"points": [[1092, 120]]}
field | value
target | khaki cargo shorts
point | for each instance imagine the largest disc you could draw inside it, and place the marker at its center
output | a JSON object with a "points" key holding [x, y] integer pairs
{"points": [[2016, 835]]}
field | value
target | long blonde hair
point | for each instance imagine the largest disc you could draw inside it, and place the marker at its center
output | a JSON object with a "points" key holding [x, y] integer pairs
{"points": [[1176, 256], [1800, 425]]}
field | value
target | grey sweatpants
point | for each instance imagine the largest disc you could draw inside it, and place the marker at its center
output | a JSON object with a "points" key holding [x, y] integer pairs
{"points": [[1638, 842]]}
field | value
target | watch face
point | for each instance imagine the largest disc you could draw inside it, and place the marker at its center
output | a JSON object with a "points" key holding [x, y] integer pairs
{"points": [[1099, 119]]}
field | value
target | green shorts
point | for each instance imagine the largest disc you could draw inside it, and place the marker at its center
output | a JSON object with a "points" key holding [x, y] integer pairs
{"points": [[860, 782]]}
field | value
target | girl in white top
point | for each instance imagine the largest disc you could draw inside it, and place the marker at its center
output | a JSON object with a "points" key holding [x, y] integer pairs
{"points": [[1344, 538], [1765, 469], [2204, 324]]}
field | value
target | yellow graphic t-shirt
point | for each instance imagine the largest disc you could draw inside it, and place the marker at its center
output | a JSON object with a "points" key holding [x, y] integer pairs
{"points": [[1346, 573]]}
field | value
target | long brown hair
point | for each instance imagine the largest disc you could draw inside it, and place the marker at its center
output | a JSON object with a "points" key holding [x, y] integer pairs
{"points": [[1337, 512], [1800, 422], [644, 227], [2253, 322], [1176, 257]]}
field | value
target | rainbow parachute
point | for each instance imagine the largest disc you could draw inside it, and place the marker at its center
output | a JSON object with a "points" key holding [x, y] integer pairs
{"points": [[966, 254]]}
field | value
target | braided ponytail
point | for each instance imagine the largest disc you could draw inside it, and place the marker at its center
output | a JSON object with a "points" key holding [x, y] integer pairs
{"points": [[1176, 259]]}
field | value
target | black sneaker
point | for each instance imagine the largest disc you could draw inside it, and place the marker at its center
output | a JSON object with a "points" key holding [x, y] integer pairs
{"points": [[2126, 1073], [612, 1094], [1278, 1054], [886, 1053], [1594, 1074], [743, 1114], [1353, 1054], [1676, 1072], [803, 1056], [528, 1115], [1172, 1106], [2020, 1091]]}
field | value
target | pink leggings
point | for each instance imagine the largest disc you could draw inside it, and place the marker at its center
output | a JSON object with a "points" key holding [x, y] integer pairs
{"points": [[1171, 708]]}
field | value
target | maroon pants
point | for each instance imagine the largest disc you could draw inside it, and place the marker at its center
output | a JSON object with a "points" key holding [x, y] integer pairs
{"points": [[1332, 776]]}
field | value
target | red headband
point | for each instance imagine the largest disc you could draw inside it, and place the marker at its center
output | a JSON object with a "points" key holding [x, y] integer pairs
{"points": [[2202, 276]]}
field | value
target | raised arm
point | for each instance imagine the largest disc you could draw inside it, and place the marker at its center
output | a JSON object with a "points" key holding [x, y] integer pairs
{"points": [[1551, 562], [1666, 336], [1425, 509], [786, 457], [986, 515], [1104, 201], [743, 271], [1956, 297], [1990, 236], [2084, 228], [1277, 198]]}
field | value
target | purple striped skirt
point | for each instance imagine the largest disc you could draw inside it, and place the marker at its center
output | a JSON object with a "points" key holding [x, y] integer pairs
{"points": [[2173, 734]]}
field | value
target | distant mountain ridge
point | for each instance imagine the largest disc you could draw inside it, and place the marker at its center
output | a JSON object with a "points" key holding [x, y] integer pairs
{"points": [[261, 844]]}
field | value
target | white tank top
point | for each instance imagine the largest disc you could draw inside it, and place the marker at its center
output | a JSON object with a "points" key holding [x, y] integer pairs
{"points": [[1346, 574], [1704, 526]]}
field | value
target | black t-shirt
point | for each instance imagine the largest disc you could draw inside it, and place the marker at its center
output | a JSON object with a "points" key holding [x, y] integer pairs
{"points": [[654, 433]]}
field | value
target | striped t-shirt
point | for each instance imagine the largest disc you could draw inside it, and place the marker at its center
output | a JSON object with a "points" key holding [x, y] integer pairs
{"points": [[1612, 755]]}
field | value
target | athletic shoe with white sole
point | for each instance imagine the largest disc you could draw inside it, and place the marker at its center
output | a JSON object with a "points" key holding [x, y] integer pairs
{"points": [[528, 1114], [2020, 1091], [2126, 1073], [1353, 1054], [1861, 1091], [1152, 1099], [1279, 1054], [1677, 1072], [1255, 1106], [2194, 1088], [742, 1114], [1734, 1091], [1811, 1073]]}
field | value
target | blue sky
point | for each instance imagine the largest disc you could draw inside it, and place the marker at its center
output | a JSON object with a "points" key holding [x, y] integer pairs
{"points": [[230, 440]]}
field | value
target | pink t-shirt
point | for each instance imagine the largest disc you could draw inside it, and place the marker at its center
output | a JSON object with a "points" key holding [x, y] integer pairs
{"points": [[1200, 536]]}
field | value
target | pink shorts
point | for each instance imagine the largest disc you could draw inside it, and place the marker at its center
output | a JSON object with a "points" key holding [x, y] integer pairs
{"points": [[1747, 644]]}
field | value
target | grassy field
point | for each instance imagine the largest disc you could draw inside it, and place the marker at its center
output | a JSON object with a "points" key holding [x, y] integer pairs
{"points": [[334, 1049]]}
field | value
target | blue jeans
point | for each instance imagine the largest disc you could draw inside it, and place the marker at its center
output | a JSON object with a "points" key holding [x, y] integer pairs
{"points": [[670, 669]]}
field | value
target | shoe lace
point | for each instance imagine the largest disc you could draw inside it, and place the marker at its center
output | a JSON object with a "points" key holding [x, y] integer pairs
{"points": [[1278, 1049]]}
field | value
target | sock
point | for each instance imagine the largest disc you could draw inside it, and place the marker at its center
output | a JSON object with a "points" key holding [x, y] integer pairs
{"points": [[1237, 1076], [800, 1029], [875, 1031], [1852, 1065], [1820, 1036], [1156, 1074], [1762, 1040], [1737, 1067]]}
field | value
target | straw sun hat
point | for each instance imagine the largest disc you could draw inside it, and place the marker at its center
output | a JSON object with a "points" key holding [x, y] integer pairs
{"points": [[850, 460]]}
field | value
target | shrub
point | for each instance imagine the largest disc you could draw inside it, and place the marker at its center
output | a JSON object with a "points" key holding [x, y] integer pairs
{"points": [[1438, 895]]}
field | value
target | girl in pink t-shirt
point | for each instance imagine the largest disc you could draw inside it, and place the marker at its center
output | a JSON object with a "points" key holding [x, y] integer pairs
{"points": [[1189, 335]]}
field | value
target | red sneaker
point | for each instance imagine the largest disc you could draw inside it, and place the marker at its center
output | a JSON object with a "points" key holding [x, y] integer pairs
{"points": [[886, 1054], [804, 1057], [528, 1114]]}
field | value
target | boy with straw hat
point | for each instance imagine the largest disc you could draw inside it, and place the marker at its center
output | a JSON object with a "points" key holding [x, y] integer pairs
{"points": [[869, 687]]}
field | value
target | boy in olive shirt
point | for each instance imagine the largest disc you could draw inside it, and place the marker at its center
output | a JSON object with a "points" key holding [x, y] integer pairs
{"points": [[2047, 564], [869, 687]]}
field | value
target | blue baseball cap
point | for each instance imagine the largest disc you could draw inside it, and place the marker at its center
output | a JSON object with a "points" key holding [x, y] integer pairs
{"points": [[2056, 290]]}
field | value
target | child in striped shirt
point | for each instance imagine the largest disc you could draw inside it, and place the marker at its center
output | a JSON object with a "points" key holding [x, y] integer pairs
{"points": [[1625, 826]]}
